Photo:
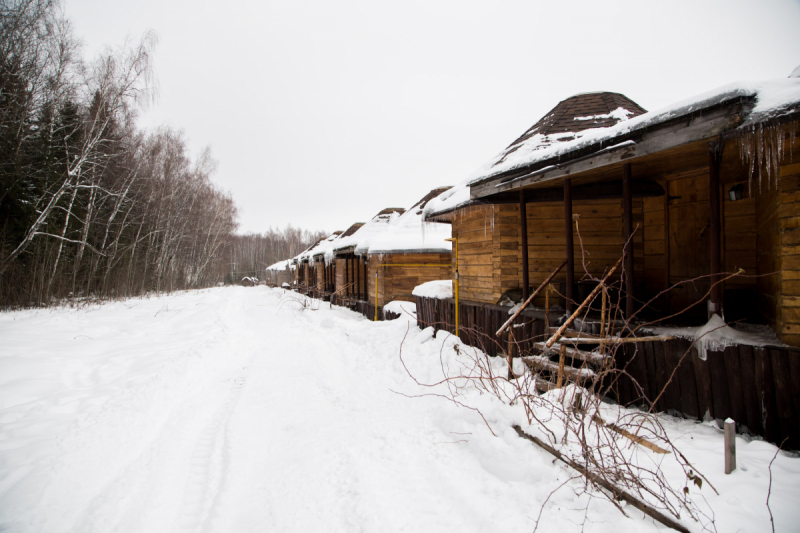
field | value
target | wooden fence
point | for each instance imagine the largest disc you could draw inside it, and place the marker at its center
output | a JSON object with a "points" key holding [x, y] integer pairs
{"points": [[758, 387]]}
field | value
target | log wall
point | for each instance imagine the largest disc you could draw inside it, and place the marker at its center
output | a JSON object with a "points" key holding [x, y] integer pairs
{"points": [[397, 282], [788, 231]]}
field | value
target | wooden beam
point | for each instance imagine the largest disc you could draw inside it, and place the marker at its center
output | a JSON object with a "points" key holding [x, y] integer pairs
{"points": [[523, 229], [714, 159], [604, 190], [569, 245], [627, 210], [692, 128]]}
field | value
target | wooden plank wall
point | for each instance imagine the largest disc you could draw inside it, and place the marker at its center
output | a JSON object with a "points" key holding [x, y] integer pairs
{"points": [[788, 226], [398, 282], [601, 234], [654, 275], [340, 281], [768, 256], [473, 228]]}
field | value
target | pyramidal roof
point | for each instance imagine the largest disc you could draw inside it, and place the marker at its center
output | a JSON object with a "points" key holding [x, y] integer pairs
{"points": [[573, 115]]}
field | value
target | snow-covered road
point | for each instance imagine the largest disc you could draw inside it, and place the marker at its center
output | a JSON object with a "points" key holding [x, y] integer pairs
{"points": [[234, 409]]}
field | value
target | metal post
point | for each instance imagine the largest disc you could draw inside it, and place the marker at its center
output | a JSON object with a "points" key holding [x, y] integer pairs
{"points": [[569, 246], [454, 240]]}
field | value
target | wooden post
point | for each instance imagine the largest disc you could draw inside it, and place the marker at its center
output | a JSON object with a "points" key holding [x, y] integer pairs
{"points": [[357, 276], [730, 446], [561, 356], [347, 277], [547, 308], [366, 285], [627, 208], [714, 158], [569, 245], [603, 331], [509, 356], [523, 230]]}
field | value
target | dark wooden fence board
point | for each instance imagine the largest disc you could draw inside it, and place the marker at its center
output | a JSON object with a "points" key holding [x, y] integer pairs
{"points": [[734, 375], [719, 385], [752, 399], [683, 355], [783, 394], [702, 377]]}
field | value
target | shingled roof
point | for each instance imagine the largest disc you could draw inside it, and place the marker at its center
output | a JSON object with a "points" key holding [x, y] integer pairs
{"points": [[578, 113], [430, 196], [352, 229]]}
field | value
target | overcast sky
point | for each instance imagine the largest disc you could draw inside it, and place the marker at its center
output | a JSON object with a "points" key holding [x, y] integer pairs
{"points": [[322, 113]]}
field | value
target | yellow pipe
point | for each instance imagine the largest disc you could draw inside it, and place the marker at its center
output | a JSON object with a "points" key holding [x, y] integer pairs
{"points": [[440, 265], [455, 277]]}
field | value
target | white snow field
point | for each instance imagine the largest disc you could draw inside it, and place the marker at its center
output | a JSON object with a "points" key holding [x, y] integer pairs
{"points": [[236, 410]]}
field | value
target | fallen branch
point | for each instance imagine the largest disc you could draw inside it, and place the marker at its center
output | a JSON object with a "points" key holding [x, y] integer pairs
{"points": [[597, 480]]}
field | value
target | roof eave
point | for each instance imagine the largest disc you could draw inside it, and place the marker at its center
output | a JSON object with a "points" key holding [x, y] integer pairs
{"points": [[709, 122]]}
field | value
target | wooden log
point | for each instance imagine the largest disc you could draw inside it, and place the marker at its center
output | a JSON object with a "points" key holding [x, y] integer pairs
{"points": [[618, 493], [540, 362], [589, 357], [561, 357], [730, 446]]}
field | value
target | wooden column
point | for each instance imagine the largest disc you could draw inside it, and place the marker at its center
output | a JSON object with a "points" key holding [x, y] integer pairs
{"points": [[366, 285], [523, 230], [357, 276], [569, 246], [347, 276], [714, 158], [627, 210]]}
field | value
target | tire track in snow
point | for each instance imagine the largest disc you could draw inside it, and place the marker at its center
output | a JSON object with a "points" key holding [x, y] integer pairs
{"points": [[209, 464]]}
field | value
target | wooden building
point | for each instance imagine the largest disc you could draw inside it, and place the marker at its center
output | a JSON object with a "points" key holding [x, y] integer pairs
{"points": [[282, 272], [694, 193], [394, 252]]}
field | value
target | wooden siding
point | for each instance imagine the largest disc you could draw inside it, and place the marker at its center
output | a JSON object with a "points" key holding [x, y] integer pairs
{"points": [[397, 282], [474, 229], [787, 224]]}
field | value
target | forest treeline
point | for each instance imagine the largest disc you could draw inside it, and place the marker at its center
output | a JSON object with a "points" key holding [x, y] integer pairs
{"points": [[90, 205]]}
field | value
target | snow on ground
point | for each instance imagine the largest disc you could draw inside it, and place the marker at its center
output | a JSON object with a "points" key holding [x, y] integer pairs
{"points": [[253, 409]]}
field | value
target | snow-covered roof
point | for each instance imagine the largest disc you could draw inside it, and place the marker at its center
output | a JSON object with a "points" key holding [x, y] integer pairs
{"points": [[771, 100], [409, 234], [396, 230], [281, 265], [320, 247]]}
